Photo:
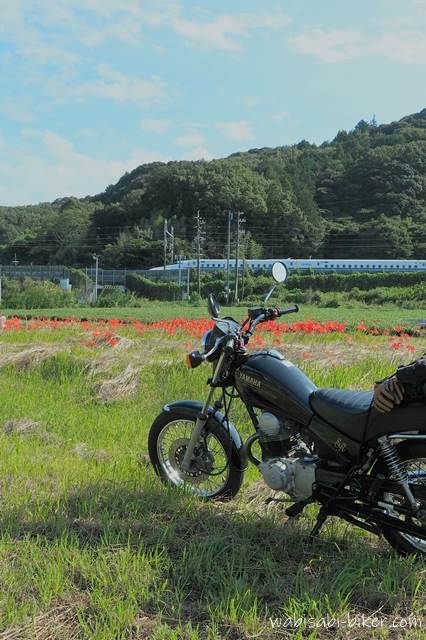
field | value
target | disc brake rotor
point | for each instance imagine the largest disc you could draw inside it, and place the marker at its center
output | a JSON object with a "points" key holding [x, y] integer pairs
{"points": [[177, 452]]}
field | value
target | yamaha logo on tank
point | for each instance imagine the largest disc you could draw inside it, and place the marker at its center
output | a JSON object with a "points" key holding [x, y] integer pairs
{"points": [[254, 382]]}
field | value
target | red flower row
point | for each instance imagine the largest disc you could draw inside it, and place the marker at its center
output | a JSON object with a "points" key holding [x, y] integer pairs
{"points": [[101, 330]]}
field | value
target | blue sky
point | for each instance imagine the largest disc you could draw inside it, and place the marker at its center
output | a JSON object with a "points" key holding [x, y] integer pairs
{"points": [[93, 88]]}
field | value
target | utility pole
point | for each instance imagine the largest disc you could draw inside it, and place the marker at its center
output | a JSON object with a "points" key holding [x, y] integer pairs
{"points": [[228, 255], [240, 220], [165, 244], [15, 261], [244, 280], [168, 239], [172, 245], [180, 258], [199, 227], [96, 259]]}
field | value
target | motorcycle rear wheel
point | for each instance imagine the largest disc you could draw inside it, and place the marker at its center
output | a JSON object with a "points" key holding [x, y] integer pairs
{"points": [[216, 476], [413, 458]]}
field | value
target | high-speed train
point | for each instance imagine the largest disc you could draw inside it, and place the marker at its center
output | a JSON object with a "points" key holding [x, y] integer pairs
{"points": [[321, 264]]}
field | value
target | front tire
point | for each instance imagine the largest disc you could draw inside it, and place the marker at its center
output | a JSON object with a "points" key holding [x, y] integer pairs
{"points": [[217, 475]]}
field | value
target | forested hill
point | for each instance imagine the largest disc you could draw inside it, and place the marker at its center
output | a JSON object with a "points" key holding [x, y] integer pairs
{"points": [[361, 195]]}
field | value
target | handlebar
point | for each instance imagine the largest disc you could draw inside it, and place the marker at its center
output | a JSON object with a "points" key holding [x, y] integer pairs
{"points": [[257, 315], [283, 311], [262, 315]]}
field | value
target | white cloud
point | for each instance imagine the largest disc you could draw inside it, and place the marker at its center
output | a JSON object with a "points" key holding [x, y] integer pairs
{"points": [[280, 116], [400, 41], [192, 139], [406, 46], [116, 86], [19, 110], [156, 126], [336, 45], [49, 29], [20, 27], [251, 102], [58, 169], [238, 130], [197, 153], [225, 31]]}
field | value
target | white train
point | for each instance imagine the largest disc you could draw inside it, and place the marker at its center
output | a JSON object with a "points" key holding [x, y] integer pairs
{"points": [[217, 264]]}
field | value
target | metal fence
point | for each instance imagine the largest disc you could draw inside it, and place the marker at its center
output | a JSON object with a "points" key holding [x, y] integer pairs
{"points": [[105, 276]]}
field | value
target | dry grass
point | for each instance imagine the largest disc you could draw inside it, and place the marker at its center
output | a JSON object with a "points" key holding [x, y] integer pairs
{"points": [[19, 427], [58, 623], [125, 385], [31, 355], [84, 451]]}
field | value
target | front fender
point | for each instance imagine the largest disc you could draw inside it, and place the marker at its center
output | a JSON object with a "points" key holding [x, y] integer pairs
{"points": [[216, 418]]}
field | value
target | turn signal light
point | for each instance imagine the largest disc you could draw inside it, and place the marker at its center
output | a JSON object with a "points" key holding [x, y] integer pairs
{"points": [[194, 359]]}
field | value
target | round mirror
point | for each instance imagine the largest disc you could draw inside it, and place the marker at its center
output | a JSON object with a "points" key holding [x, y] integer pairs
{"points": [[279, 272], [213, 306]]}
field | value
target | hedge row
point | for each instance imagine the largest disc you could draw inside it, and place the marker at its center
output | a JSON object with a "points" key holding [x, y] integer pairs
{"points": [[348, 281], [153, 289]]}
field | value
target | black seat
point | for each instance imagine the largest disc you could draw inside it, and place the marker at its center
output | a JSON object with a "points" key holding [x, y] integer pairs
{"points": [[345, 410]]}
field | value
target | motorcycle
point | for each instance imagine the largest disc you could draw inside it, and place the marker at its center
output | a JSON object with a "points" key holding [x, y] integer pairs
{"points": [[324, 446]]}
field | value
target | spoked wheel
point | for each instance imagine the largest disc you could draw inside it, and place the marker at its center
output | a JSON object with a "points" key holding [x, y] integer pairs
{"points": [[413, 458], [213, 472]]}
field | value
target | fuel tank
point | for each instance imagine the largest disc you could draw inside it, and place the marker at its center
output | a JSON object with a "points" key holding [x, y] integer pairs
{"points": [[270, 382]]}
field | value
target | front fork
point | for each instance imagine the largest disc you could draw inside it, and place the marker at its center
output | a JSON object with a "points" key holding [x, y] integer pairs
{"points": [[202, 417]]}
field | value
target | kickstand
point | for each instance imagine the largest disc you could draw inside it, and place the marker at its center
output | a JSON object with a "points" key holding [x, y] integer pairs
{"points": [[322, 517]]}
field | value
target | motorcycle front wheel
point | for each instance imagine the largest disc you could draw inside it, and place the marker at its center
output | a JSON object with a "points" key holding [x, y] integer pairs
{"points": [[214, 473]]}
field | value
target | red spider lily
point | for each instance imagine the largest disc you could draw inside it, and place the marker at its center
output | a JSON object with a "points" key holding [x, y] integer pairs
{"points": [[101, 331]]}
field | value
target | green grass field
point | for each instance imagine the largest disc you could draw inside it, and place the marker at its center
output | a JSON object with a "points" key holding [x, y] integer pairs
{"points": [[92, 546], [154, 311]]}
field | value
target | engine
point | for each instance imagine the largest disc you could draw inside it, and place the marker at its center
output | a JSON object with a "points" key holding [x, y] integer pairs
{"points": [[294, 475]]}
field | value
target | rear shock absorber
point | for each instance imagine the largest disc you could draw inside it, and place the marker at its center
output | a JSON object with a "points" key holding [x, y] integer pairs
{"points": [[397, 471]]}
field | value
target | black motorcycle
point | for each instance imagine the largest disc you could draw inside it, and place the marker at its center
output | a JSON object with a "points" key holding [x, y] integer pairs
{"points": [[328, 446]]}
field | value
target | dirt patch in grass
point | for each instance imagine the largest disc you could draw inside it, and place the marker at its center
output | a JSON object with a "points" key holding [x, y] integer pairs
{"points": [[26, 427], [84, 451], [21, 427]]}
